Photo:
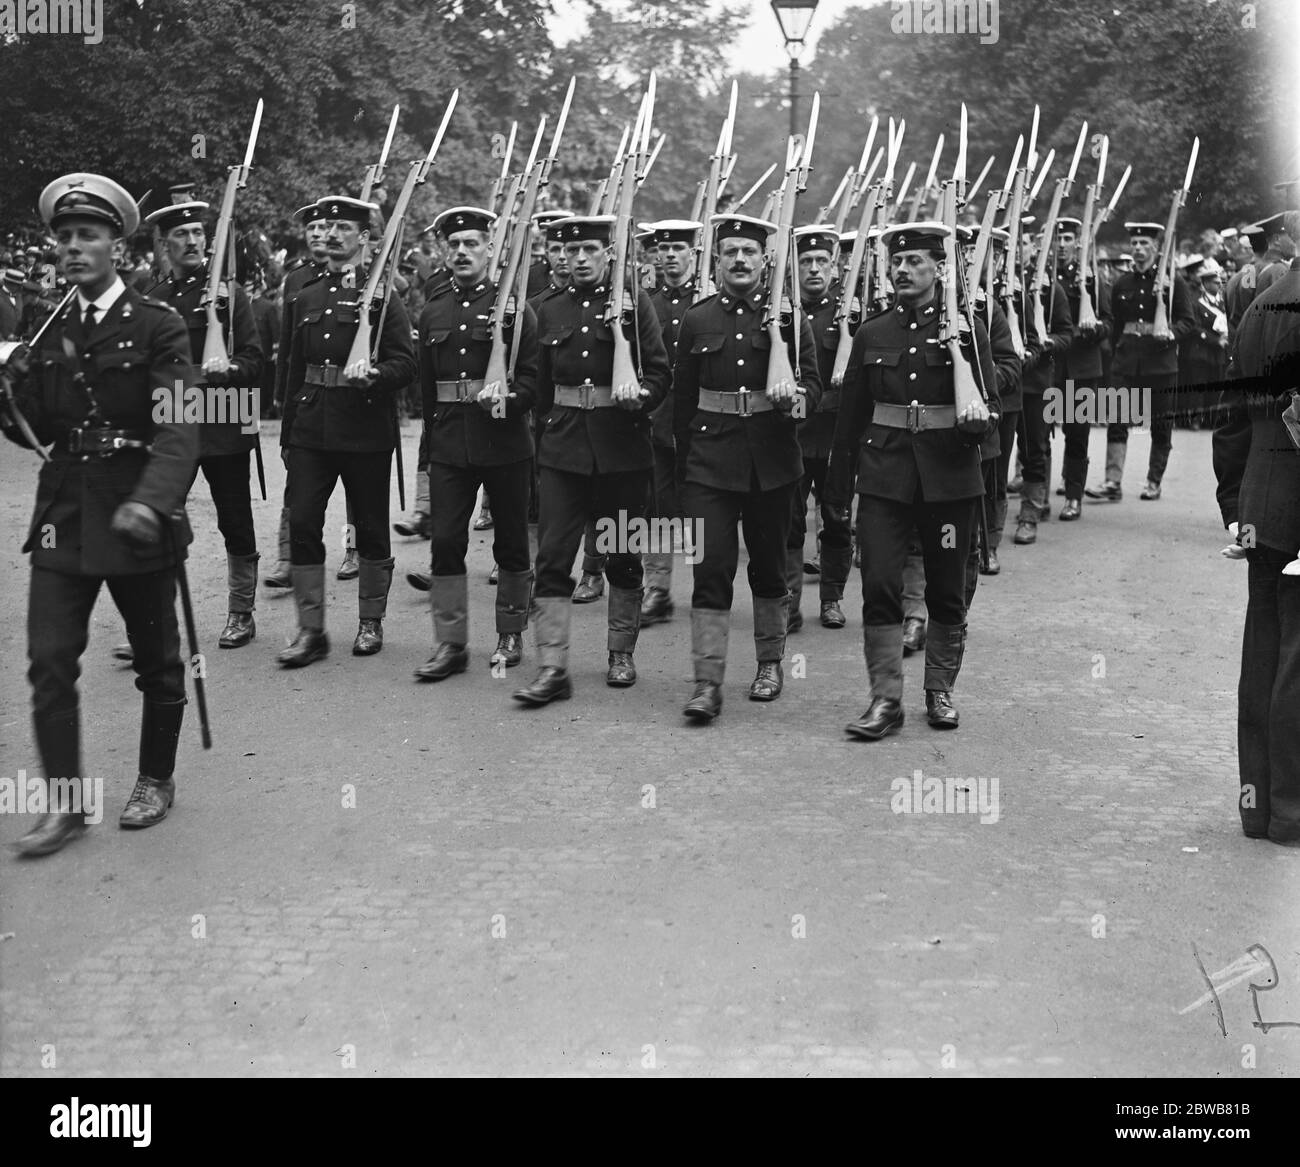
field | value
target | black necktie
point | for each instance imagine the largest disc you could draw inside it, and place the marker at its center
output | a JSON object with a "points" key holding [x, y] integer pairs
{"points": [[88, 320]]}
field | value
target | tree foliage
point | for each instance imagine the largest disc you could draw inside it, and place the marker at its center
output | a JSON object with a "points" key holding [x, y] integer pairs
{"points": [[168, 96]]}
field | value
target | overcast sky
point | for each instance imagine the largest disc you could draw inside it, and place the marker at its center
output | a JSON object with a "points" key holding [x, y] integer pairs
{"points": [[760, 47]]}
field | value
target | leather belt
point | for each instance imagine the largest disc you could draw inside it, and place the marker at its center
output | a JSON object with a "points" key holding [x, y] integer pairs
{"points": [[1139, 328], [585, 396], [914, 417], [326, 375], [462, 390], [101, 443], [741, 404]]}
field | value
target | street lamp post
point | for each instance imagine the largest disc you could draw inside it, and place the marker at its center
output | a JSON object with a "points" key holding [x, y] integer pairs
{"points": [[793, 18]]}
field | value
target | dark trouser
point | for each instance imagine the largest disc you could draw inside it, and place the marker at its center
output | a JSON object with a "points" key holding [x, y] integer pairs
{"points": [[990, 471], [227, 476], [1162, 388], [1075, 467], [454, 490], [664, 504], [835, 542], [1268, 700], [568, 501], [58, 624], [764, 518], [997, 501], [593, 562], [312, 476], [1034, 439], [884, 527]]}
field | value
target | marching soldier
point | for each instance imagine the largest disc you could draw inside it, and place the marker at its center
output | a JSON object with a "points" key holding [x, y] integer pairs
{"points": [[1082, 360], [1144, 359], [595, 455], [898, 424], [105, 501], [1039, 373], [295, 279], [738, 459], [675, 240], [477, 435], [820, 294], [341, 427], [225, 444]]}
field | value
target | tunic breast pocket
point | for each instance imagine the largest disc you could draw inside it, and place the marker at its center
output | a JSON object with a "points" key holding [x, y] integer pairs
{"points": [[555, 337], [437, 336]]}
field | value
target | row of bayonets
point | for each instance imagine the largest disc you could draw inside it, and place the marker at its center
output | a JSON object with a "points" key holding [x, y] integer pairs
{"points": [[514, 198]]}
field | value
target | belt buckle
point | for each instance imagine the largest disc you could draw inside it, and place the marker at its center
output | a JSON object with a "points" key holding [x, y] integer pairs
{"points": [[330, 375], [462, 389], [586, 395], [742, 404], [914, 411]]}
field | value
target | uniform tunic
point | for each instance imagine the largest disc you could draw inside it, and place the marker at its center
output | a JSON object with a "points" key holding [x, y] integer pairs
{"points": [[466, 445]]}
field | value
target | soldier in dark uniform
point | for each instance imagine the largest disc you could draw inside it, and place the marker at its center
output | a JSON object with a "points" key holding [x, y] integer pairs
{"points": [[478, 435], [1081, 362], [295, 279], [738, 459], [595, 454], [1040, 372], [11, 303], [105, 500], [225, 444], [1203, 356], [898, 425], [1259, 495], [676, 240], [1144, 360], [820, 294], [341, 427]]}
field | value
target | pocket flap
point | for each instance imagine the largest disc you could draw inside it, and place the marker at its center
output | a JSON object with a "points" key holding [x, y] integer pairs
{"points": [[708, 342]]}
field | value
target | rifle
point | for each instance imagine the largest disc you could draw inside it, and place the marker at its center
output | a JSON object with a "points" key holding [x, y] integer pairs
{"points": [[1165, 272], [782, 378], [508, 151], [375, 173], [956, 328], [975, 271], [859, 179], [874, 205], [216, 347], [365, 344], [1046, 243], [926, 187], [216, 359], [512, 288], [625, 378], [1087, 311], [707, 201]]}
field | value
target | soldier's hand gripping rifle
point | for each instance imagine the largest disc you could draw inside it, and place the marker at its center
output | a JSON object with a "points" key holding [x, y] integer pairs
{"points": [[1160, 329], [874, 205], [956, 329], [621, 308], [512, 287], [783, 388], [720, 165]]}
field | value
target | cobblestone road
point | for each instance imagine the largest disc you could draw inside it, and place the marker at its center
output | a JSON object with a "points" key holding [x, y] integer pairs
{"points": [[368, 876]]}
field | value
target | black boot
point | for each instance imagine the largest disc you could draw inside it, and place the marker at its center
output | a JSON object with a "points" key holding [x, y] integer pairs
{"points": [[155, 788]]}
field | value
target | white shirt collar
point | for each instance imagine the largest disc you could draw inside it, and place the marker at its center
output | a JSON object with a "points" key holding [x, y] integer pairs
{"points": [[105, 301]]}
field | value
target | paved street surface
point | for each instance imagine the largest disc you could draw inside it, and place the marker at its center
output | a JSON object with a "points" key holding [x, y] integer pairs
{"points": [[370, 876]]}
